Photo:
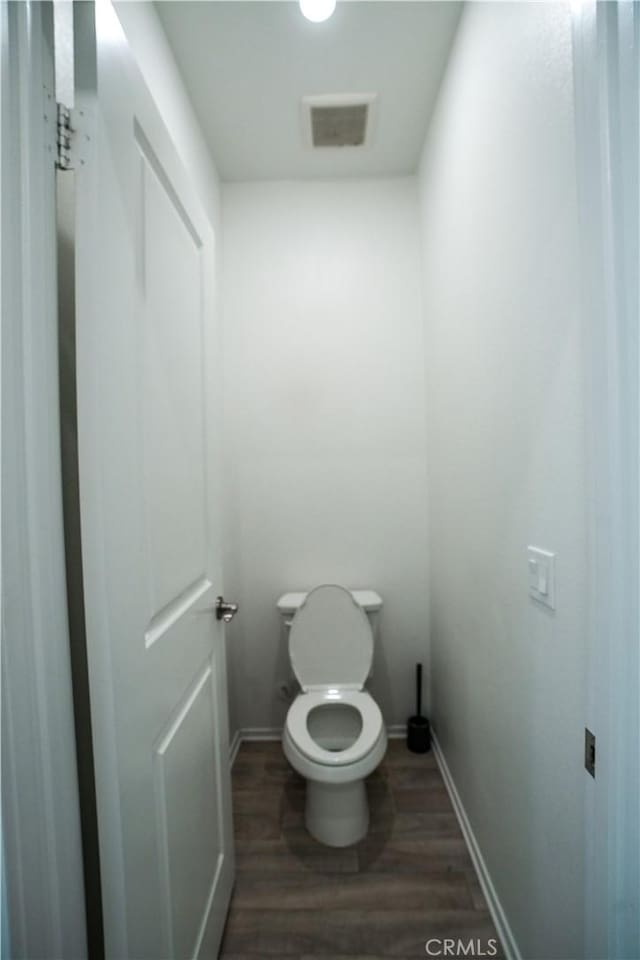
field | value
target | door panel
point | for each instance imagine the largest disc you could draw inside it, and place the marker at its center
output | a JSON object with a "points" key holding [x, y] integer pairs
{"points": [[190, 828], [171, 286], [148, 442]]}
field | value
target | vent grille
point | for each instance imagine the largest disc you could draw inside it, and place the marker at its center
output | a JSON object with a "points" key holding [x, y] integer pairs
{"points": [[339, 126]]}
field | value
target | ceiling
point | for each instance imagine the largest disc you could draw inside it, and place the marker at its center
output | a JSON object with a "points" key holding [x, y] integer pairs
{"points": [[247, 64]]}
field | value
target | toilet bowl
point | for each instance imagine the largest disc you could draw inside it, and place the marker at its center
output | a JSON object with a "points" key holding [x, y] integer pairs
{"points": [[334, 735]]}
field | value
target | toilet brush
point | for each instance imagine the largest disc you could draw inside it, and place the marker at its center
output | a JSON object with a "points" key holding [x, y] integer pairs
{"points": [[418, 732]]}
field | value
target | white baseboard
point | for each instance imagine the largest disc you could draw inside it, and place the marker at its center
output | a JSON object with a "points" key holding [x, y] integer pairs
{"points": [[261, 733], [495, 907], [397, 731]]}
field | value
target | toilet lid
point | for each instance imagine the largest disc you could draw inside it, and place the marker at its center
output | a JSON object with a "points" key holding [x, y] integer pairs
{"points": [[330, 640]]}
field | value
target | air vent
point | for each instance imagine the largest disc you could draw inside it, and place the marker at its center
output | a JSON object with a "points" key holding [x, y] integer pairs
{"points": [[339, 126], [339, 120]]}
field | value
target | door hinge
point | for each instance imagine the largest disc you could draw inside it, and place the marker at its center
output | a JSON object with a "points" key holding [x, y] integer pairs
{"points": [[590, 752], [65, 130]]}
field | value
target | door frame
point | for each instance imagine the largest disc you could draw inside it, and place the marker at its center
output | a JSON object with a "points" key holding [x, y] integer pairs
{"points": [[40, 805], [606, 39]]}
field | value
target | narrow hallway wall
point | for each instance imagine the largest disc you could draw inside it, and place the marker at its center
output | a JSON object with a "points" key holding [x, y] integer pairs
{"points": [[324, 420], [506, 458]]}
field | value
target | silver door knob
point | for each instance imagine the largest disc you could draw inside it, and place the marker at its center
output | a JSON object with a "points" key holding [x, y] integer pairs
{"points": [[225, 611]]}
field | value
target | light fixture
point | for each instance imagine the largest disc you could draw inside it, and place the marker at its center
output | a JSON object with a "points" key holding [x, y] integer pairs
{"points": [[317, 10]]}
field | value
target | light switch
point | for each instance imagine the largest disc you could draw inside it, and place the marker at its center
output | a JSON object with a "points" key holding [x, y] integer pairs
{"points": [[542, 576]]}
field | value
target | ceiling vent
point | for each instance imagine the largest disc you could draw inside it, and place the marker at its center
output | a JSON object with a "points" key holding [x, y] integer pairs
{"points": [[339, 120]]}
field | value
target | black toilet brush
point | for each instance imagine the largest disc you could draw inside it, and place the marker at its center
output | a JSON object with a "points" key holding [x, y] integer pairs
{"points": [[418, 731]]}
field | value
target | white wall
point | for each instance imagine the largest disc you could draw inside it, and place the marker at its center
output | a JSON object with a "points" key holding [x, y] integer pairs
{"points": [[507, 465], [324, 419]]}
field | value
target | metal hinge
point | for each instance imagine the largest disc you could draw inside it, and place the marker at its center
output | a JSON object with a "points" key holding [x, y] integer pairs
{"points": [[64, 137], [590, 752]]}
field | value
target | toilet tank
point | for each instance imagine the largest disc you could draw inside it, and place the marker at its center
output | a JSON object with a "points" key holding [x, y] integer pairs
{"points": [[369, 600]]}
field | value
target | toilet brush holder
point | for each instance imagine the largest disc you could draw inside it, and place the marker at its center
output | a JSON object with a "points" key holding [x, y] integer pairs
{"points": [[418, 727]]}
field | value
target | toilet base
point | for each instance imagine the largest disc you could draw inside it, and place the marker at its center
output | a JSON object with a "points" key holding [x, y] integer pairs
{"points": [[337, 814]]}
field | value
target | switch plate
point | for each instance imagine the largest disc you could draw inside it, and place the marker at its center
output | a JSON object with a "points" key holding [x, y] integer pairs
{"points": [[542, 576]]}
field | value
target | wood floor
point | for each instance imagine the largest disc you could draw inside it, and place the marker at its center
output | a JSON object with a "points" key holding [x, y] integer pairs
{"points": [[409, 880]]}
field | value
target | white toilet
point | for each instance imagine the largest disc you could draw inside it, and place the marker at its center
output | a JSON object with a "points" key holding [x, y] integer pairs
{"points": [[334, 735]]}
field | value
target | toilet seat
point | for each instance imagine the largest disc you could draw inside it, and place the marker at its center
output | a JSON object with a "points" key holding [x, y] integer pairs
{"points": [[372, 725]]}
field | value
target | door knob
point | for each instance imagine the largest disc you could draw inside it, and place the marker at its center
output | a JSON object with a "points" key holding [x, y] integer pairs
{"points": [[225, 611]]}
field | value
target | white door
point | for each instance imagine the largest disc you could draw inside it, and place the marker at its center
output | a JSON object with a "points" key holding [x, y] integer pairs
{"points": [[147, 374]]}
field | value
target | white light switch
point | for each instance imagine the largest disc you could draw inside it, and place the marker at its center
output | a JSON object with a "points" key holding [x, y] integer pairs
{"points": [[542, 576]]}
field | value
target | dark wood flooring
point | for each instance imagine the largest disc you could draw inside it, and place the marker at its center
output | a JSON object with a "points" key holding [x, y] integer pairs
{"points": [[409, 880]]}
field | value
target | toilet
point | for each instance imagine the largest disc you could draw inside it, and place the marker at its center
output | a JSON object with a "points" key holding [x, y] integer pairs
{"points": [[334, 735]]}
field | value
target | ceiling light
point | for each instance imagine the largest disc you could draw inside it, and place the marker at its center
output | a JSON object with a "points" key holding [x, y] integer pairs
{"points": [[317, 10]]}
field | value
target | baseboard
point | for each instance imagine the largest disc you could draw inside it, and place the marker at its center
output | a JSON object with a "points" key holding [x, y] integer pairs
{"points": [[397, 731], [495, 907], [261, 733], [248, 734]]}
